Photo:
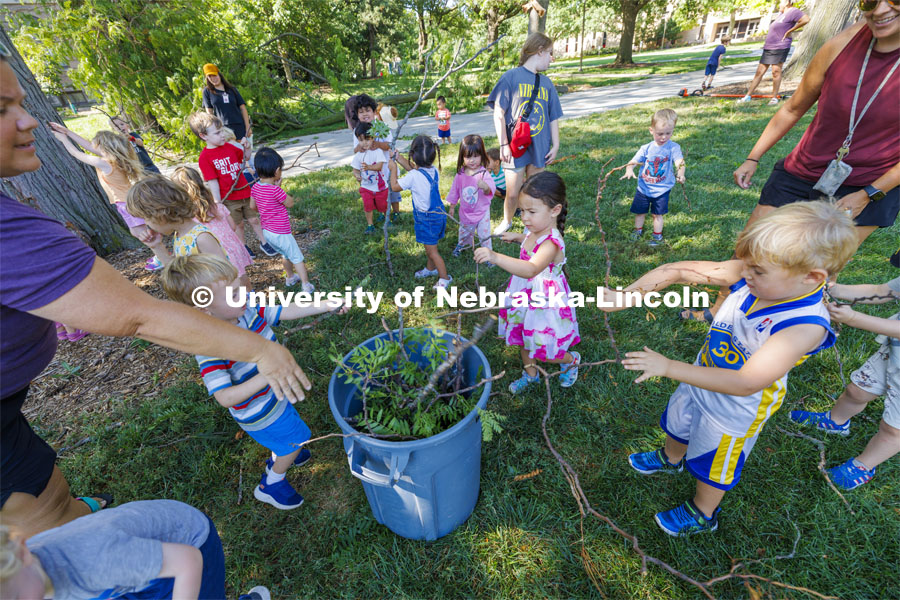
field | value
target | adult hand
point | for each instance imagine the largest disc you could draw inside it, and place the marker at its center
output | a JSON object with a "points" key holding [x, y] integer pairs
{"points": [[744, 172], [653, 364], [483, 255], [506, 154], [552, 154], [854, 202], [283, 373]]}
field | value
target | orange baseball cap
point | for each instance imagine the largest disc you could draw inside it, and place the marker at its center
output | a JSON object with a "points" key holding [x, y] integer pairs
{"points": [[210, 69]]}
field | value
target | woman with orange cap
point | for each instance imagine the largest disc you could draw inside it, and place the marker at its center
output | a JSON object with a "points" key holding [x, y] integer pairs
{"points": [[222, 99]]}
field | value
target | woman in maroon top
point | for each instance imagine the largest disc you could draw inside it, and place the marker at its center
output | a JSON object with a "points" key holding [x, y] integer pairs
{"points": [[48, 275], [871, 191]]}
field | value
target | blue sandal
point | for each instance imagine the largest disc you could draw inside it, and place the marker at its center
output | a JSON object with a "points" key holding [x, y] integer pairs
{"points": [[93, 504]]}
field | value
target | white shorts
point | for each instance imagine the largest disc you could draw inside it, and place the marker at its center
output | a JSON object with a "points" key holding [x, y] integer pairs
{"points": [[286, 245], [877, 377], [713, 456]]}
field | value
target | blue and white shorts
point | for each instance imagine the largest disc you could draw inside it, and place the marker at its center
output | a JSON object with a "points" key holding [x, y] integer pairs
{"points": [[713, 456], [285, 244], [284, 436]]}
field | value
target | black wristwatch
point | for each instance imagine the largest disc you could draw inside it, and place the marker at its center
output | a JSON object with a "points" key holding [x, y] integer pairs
{"points": [[874, 193]]}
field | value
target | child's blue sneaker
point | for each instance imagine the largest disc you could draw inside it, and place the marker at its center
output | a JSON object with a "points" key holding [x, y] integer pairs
{"points": [[647, 463], [269, 250], [570, 375], [686, 519], [249, 251], [522, 382], [370, 229], [301, 459], [850, 475], [458, 250], [822, 420], [280, 495]]}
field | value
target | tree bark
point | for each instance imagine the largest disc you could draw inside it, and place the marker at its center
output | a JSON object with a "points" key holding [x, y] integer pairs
{"points": [[731, 22], [581, 44], [423, 35], [63, 188], [827, 20], [538, 23], [372, 71], [630, 10]]}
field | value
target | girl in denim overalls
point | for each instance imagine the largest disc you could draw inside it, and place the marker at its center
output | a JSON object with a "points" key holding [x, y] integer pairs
{"points": [[428, 209]]}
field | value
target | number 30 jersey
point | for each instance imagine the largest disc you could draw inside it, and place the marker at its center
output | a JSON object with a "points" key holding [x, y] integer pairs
{"points": [[740, 329]]}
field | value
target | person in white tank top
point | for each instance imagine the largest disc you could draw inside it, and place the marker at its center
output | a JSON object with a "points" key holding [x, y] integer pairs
{"points": [[774, 319]]}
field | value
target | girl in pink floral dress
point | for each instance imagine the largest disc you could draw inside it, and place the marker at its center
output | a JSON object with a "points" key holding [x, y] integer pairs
{"points": [[539, 319], [215, 217]]}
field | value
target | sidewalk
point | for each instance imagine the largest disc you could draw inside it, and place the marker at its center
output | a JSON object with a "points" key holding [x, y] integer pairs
{"points": [[336, 147]]}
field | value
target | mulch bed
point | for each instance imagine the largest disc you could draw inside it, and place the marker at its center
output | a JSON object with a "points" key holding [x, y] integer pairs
{"points": [[765, 87], [96, 372]]}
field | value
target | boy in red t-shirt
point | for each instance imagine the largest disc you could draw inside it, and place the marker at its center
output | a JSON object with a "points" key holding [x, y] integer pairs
{"points": [[443, 118], [220, 164]]}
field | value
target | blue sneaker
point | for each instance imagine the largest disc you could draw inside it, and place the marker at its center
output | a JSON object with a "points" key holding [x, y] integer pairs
{"points": [[647, 463], [269, 250], [249, 251], [686, 520], [301, 459], [822, 420], [280, 495], [522, 382], [850, 475], [570, 375]]}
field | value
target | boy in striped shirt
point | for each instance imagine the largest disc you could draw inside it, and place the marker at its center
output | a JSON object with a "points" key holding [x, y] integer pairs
{"points": [[272, 202], [238, 386]]}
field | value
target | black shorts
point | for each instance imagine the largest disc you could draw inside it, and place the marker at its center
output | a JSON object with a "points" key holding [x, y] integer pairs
{"points": [[783, 188], [27, 460], [774, 57]]}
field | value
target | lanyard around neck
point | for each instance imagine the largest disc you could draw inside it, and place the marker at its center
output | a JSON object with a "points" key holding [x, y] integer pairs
{"points": [[854, 122]]}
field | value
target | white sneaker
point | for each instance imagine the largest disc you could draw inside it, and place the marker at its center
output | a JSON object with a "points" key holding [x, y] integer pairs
{"points": [[773, 102], [503, 227], [309, 288], [746, 98], [260, 592], [292, 280], [443, 283], [426, 272]]}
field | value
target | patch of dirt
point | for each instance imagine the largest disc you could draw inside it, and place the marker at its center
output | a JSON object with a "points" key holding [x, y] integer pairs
{"points": [[788, 87], [96, 372]]}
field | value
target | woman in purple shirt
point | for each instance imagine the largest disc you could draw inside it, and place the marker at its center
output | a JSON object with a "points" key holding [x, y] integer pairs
{"points": [[47, 274], [776, 47]]}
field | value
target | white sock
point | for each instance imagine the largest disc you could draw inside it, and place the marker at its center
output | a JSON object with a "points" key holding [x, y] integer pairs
{"points": [[272, 477]]}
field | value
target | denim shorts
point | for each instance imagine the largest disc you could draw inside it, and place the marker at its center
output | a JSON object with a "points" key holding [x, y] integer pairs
{"points": [[642, 204], [429, 228]]}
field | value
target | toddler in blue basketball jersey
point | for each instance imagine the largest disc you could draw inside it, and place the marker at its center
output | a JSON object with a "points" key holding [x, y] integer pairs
{"points": [[662, 164], [773, 320], [238, 386]]}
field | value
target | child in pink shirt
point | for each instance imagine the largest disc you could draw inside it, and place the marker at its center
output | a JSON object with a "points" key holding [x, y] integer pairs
{"points": [[472, 188]]}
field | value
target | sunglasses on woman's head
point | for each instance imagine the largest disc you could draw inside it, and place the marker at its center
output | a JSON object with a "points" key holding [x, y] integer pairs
{"points": [[867, 5]]}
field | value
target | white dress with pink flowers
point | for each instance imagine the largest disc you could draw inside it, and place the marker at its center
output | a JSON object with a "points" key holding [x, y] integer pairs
{"points": [[547, 333]]}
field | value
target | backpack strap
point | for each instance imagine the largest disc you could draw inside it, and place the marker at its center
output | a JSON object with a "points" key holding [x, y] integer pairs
{"points": [[534, 90]]}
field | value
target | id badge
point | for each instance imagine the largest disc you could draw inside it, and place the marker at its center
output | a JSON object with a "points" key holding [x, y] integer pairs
{"points": [[224, 98], [836, 173]]}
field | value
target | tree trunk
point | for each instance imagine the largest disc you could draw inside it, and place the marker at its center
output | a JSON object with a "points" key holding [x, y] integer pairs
{"points": [[285, 65], [630, 11], [581, 45], [423, 36], [63, 188], [493, 31], [537, 23], [372, 71], [731, 22], [826, 21]]}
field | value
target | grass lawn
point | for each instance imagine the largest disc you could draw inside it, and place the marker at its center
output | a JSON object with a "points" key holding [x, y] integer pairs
{"points": [[523, 539]]}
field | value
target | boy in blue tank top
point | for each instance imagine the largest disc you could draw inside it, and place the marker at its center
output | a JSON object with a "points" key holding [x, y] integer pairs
{"points": [[774, 319]]}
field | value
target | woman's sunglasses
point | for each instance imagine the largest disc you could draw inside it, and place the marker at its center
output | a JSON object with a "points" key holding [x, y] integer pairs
{"points": [[867, 5]]}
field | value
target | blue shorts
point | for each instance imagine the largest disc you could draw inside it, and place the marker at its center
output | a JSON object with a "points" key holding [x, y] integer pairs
{"points": [[711, 68], [429, 228], [443, 134], [212, 582], [284, 435], [642, 204]]}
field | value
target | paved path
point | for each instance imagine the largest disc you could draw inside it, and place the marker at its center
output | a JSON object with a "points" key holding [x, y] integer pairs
{"points": [[335, 147]]}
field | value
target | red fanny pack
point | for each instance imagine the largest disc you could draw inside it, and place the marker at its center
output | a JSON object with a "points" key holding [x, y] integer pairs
{"points": [[520, 139]]}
